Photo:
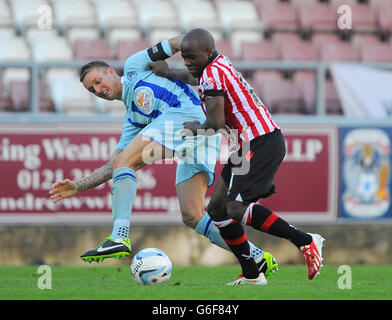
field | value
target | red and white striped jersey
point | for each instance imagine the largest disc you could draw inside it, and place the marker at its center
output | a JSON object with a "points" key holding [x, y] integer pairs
{"points": [[244, 110]]}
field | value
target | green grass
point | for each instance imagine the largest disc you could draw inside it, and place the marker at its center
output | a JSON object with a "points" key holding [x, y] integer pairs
{"points": [[192, 283]]}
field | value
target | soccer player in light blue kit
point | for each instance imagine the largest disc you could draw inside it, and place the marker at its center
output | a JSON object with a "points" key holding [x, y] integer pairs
{"points": [[156, 109]]}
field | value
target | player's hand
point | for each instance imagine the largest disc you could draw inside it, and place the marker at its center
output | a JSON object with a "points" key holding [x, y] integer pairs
{"points": [[160, 68], [62, 189], [190, 128]]}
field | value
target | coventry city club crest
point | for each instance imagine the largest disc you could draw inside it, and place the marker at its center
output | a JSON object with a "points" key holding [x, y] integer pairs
{"points": [[144, 98], [366, 173]]}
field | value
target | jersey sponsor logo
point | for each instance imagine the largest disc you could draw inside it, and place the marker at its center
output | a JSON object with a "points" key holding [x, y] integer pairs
{"points": [[143, 99], [209, 84], [131, 75]]}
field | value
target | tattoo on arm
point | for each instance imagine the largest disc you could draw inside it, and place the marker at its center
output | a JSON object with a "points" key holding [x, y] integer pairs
{"points": [[175, 44], [99, 176]]}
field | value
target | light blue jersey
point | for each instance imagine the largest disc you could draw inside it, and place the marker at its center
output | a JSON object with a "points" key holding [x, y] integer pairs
{"points": [[157, 107]]}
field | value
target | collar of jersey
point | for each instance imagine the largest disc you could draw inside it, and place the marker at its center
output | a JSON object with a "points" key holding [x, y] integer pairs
{"points": [[213, 57], [123, 86]]}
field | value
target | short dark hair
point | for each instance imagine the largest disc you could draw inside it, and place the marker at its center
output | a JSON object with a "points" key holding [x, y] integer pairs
{"points": [[93, 64], [203, 38]]}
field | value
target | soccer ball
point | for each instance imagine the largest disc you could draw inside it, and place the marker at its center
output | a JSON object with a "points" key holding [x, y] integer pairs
{"points": [[151, 266]]}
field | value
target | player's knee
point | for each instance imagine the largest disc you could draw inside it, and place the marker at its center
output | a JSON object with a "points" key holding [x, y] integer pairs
{"points": [[117, 162], [216, 211], [189, 218], [120, 162], [235, 210]]}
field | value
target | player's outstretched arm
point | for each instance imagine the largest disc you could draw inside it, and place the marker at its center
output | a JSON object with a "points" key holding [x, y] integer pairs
{"points": [[175, 43], [162, 69], [68, 188]]}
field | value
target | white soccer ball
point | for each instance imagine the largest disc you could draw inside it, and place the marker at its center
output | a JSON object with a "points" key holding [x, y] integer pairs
{"points": [[151, 266]]}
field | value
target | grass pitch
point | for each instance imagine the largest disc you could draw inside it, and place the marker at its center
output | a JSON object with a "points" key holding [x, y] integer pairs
{"points": [[99, 282]]}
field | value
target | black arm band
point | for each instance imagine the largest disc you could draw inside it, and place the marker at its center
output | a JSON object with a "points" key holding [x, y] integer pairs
{"points": [[157, 53], [214, 93]]}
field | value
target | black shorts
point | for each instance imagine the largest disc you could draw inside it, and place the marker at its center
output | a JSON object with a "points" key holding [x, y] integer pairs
{"points": [[249, 173]]}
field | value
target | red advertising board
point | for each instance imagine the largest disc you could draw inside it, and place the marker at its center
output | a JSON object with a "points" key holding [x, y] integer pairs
{"points": [[307, 181], [35, 156]]}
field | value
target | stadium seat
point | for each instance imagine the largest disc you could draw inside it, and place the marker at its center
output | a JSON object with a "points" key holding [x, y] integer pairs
{"points": [[192, 14], [115, 13], [75, 99], [318, 39], [239, 36], [260, 75], [298, 50], [82, 33], [156, 14], [341, 51], [281, 96], [375, 4], [278, 16], [264, 50], [224, 47], [6, 19], [238, 15], [316, 18], [279, 38], [20, 97], [92, 50], [33, 35], [156, 35], [5, 101], [305, 81], [15, 50], [114, 35], [363, 18], [332, 101], [127, 48], [46, 104], [358, 39], [74, 13], [51, 49], [115, 107], [298, 3], [53, 73], [384, 19], [335, 4], [25, 13], [266, 75], [375, 52], [14, 74], [217, 34]]}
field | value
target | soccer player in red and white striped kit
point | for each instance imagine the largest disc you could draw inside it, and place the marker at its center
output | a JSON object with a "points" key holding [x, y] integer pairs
{"points": [[229, 102]]}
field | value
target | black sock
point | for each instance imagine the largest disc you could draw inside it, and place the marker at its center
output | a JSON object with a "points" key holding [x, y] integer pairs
{"points": [[261, 218], [234, 235]]}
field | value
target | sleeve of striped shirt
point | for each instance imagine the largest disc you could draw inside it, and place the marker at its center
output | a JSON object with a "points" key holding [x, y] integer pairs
{"points": [[212, 83]]}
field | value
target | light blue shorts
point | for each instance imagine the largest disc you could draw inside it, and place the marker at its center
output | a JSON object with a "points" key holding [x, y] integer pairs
{"points": [[193, 154]]}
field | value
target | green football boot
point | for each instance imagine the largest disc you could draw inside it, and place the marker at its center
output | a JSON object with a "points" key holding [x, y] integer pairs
{"points": [[268, 265], [108, 249]]}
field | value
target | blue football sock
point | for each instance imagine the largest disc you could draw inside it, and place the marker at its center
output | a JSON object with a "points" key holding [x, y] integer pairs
{"points": [[123, 196], [207, 228]]}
